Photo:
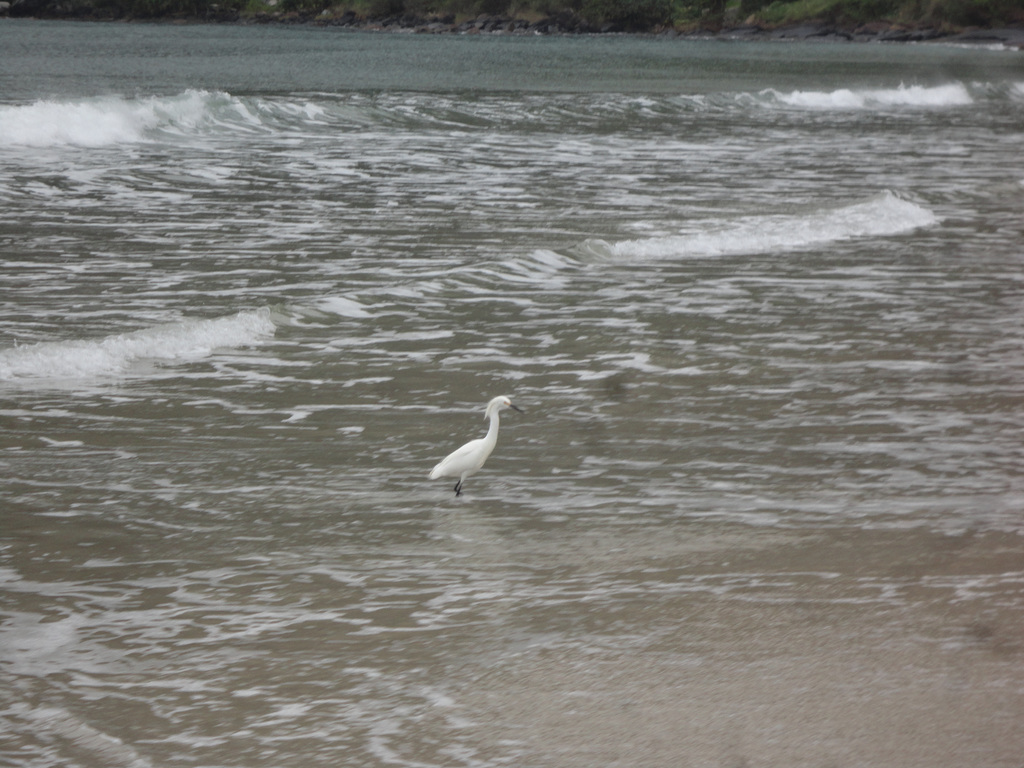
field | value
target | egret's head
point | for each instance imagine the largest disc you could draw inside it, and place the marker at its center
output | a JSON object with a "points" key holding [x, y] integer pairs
{"points": [[500, 403]]}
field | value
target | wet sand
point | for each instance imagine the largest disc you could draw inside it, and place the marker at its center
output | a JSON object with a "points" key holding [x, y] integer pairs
{"points": [[886, 648]]}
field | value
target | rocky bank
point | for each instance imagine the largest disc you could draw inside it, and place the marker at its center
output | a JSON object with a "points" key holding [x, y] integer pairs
{"points": [[565, 23]]}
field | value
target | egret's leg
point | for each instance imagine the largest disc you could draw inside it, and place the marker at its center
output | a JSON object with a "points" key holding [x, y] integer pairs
{"points": [[458, 488]]}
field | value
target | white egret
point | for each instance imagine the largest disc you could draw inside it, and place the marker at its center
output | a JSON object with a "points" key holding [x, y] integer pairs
{"points": [[468, 459]]}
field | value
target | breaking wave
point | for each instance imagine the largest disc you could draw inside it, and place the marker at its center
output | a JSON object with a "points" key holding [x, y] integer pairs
{"points": [[118, 120], [116, 354], [114, 120], [883, 215], [949, 95]]}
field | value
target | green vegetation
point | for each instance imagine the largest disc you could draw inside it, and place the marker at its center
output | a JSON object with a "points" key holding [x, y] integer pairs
{"points": [[637, 15], [935, 13], [570, 15], [626, 15], [145, 9]]}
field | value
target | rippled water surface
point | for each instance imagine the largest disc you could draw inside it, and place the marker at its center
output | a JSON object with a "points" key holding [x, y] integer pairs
{"points": [[762, 305]]}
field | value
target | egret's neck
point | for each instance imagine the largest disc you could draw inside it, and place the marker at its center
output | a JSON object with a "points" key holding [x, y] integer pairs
{"points": [[492, 431]]}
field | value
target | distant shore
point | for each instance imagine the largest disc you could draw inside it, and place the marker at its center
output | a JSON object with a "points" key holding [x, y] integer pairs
{"points": [[812, 30], [879, 31]]}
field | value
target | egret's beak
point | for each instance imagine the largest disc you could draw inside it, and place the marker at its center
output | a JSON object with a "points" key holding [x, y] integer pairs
{"points": [[516, 408]]}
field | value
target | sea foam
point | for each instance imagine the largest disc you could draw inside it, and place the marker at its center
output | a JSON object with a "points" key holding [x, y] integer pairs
{"points": [[883, 215], [948, 95], [110, 120], [116, 354]]}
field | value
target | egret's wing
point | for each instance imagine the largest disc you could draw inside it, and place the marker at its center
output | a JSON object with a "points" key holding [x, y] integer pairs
{"points": [[458, 461]]}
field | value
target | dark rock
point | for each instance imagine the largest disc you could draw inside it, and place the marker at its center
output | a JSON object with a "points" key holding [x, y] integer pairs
{"points": [[30, 8], [739, 33], [800, 32], [909, 35], [1012, 37], [54, 9], [221, 14], [812, 31]]}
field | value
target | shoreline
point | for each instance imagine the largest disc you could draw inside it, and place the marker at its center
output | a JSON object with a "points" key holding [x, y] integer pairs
{"points": [[807, 31], [879, 31]]}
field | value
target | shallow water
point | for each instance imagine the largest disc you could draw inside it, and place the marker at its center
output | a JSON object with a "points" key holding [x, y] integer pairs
{"points": [[761, 303]]}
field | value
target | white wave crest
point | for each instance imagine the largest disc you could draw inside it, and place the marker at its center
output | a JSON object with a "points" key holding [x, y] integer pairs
{"points": [[949, 95], [884, 215], [91, 358], [112, 120]]}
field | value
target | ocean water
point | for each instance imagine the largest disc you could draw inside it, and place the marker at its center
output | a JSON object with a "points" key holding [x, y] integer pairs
{"points": [[762, 305]]}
